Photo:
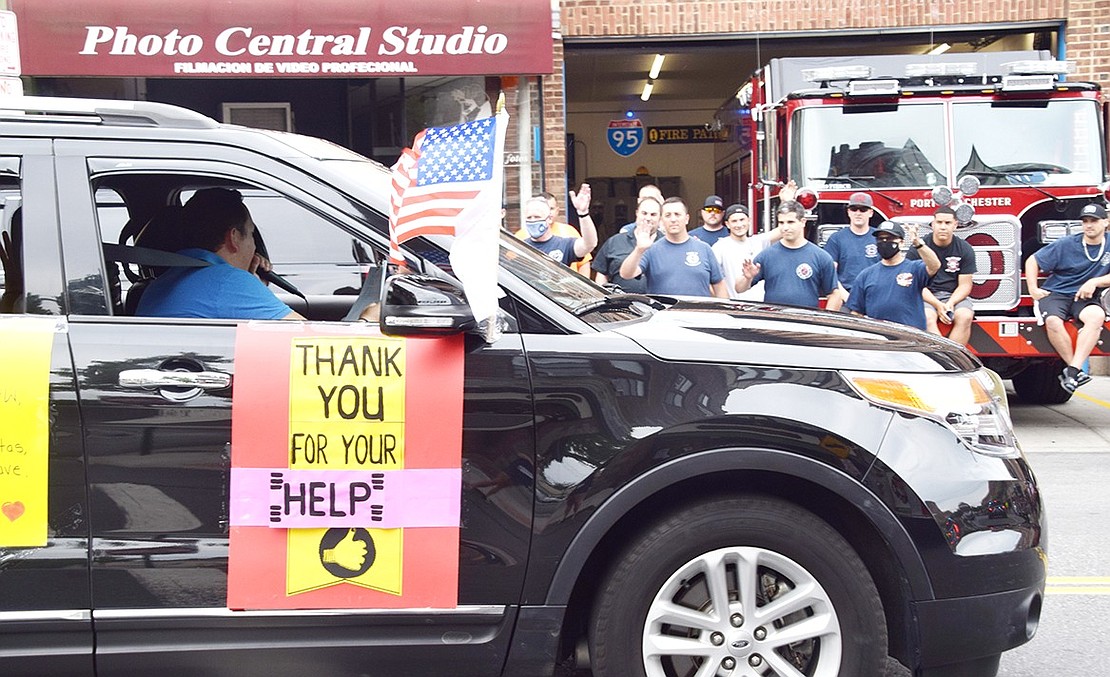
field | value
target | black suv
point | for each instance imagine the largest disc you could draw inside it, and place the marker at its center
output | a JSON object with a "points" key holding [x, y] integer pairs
{"points": [[650, 485]]}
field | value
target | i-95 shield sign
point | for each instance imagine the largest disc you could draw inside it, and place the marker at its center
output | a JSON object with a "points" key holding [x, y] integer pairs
{"points": [[625, 136]]}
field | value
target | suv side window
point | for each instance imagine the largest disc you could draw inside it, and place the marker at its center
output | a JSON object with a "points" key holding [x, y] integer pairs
{"points": [[309, 250], [11, 237], [325, 262]]}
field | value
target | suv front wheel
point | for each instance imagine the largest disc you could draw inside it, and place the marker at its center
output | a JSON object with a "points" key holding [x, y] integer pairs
{"points": [[738, 586]]}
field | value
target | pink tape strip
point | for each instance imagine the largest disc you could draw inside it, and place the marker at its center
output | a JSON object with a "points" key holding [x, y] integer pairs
{"points": [[313, 499]]}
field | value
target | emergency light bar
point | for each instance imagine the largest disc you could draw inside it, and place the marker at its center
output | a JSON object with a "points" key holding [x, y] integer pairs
{"points": [[1027, 83], [873, 87], [935, 70], [828, 73], [1038, 67]]}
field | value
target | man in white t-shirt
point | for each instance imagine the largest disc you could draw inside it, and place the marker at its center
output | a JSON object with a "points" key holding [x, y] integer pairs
{"points": [[741, 246]]}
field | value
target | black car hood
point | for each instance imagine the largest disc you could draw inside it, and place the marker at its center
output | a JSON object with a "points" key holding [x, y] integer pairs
{"points": [[765, 334]]}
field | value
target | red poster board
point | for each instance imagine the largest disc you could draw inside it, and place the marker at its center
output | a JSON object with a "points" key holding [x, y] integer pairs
{"points": [[303, 395]]}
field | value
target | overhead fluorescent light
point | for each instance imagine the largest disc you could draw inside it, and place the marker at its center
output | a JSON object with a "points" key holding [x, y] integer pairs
{"points": [[939, 49], [646, 94], [656, 66]]}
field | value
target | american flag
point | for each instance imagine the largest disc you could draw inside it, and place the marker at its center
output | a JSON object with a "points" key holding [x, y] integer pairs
{"points": [[451, 183], [446, 176]]}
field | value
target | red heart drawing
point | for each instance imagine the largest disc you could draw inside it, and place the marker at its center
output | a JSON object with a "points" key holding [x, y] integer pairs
{"points": [[13, 510]]}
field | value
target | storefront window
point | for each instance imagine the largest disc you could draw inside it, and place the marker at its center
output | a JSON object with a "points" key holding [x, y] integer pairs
{"points": [[387, 113]]}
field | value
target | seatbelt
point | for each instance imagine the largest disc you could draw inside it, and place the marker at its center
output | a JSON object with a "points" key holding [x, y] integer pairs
{"points": [[145, 256]]}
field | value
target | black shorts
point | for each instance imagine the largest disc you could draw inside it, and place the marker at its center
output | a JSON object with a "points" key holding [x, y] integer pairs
{"points": [[1064, 306]]}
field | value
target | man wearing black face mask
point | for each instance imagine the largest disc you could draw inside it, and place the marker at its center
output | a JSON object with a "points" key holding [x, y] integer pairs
{"points": [[891, 289]]}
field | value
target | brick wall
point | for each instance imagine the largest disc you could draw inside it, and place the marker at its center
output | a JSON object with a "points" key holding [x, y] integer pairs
{"points": [[1088, 40], [554, 131], [662, 17]]}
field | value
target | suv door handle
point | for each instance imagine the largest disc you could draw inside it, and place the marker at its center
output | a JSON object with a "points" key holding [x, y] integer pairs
{"points": [[156, 378]]}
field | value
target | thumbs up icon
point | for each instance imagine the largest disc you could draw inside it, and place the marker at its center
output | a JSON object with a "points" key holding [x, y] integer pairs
{"points": [[347, 553]]}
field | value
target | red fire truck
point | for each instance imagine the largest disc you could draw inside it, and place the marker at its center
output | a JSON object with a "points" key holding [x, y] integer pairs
{"points": [[1016, 150]]}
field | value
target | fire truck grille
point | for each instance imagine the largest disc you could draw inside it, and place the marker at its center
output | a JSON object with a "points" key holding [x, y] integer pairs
{"points": [[997, 253]]}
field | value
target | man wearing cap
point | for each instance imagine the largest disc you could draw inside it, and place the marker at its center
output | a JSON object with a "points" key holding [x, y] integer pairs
{"points": [[607, 264], [852, 249], [797, 272], [712, 215], [1077, 266], [947, 297], [741, 246], [676, 263], [891, 289]]}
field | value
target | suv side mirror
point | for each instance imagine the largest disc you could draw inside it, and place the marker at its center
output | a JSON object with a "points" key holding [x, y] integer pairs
{"points": [[420, 305]]}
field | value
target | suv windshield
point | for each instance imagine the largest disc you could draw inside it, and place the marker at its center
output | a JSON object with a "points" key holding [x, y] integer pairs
{"points": [[1051, 143], [553, 280], [869, 146]]}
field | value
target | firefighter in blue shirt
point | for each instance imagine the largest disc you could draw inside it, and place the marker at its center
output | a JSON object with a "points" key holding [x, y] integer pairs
{"points": [[1078, 266]]}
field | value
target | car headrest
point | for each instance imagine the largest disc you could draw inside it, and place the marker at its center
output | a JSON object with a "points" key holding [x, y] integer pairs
{"points": [[164, 231]]}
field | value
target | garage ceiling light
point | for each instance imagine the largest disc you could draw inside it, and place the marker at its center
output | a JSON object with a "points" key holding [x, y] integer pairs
{"points": [[656, 66]]}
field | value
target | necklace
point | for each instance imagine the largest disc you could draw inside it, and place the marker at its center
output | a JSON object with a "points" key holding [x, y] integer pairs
{"points": [[1101, 249]]}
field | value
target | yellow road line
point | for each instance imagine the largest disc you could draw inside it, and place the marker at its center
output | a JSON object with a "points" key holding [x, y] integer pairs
{"points": [[1077, 590], [1077, 585], [1069, 580], [1095, 400]]}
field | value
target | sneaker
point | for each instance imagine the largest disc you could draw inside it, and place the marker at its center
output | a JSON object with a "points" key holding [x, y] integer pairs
{"points": [[1082, 378], [1068, 382]]}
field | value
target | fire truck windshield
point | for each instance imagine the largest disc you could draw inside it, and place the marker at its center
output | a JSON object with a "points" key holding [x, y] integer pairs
{"points": [[842, 147], [1044, 143]]}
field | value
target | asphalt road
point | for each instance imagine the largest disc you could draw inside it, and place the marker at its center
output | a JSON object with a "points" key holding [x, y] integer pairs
{"points": [[1068, 447]]}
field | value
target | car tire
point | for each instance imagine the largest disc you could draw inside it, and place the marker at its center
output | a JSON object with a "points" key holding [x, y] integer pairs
{"points": [[1039, 383], [798, 597]]}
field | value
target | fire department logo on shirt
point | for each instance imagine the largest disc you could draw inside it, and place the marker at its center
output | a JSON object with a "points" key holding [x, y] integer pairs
{"points": [[952, 264], [556, 255], [692, 259], [871, 251], [804, 271], [904, 279], [1105, 259]]}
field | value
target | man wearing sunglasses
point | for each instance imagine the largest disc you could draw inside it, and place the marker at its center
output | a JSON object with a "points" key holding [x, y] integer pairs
{"points": [[712, 221], [853, 248]]}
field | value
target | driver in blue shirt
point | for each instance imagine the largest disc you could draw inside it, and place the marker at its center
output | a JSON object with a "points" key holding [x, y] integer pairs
{"points": [[218, 230]]}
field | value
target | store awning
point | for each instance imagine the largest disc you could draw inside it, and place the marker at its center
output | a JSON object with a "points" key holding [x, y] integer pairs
{"points": [[284, 38]]}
